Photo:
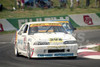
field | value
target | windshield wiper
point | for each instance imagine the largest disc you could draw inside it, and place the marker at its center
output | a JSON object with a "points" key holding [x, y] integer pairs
{"points": [[48, 29]]}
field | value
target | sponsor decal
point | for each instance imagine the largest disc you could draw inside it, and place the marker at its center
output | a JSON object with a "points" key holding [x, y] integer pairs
{"points": [[64, 54], [45, 30], [25, 40], [45, 55], [63, 21], [88, 20], [29, 39], [56, 40], [56, 54], [32, 52], [24, 43], [20, 41], [45, 24], [57, 47]]}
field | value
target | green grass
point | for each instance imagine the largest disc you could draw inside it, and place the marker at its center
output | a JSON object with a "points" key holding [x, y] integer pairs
{"points": [[7, 32], [97, 48], [88, 27], [45, 12], [38, 12]]}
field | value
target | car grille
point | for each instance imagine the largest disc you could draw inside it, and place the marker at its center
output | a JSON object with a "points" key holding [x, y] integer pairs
{"points": [[56, 50]]}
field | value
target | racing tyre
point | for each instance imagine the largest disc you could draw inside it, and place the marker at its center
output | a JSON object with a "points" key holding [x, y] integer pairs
{"points": [[16, 52], [74, 57], [28, 52]]}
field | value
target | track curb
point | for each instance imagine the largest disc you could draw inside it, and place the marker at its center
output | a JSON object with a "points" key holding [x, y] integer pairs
{"points": [[85, 52]]}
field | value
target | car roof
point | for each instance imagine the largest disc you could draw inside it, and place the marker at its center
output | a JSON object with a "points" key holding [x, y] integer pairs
{"points": [[41, 22]]}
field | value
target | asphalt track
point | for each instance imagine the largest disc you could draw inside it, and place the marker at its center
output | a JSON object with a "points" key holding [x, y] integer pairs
{"points": [[8, 59]]}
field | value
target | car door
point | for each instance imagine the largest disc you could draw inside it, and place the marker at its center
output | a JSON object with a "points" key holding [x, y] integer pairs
{"points": [[22, 37], [19, 38]]}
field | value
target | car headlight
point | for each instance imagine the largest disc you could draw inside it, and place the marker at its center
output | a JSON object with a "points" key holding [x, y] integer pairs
{"points": [[69, 42], [41, 43]]}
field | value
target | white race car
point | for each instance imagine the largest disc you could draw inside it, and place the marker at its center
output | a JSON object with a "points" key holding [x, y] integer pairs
{"points": [[44, 39]]}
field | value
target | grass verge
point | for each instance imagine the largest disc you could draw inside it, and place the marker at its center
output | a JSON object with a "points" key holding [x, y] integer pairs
{"points": [[7, 32], [89, 28], [97, 48], [37, 12]]}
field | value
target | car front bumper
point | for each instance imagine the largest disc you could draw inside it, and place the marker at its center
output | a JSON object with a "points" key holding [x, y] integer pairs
{"points": [[54, 51]]}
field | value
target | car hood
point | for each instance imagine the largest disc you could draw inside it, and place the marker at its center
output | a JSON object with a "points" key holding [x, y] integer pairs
{"points": [[47, 36]]}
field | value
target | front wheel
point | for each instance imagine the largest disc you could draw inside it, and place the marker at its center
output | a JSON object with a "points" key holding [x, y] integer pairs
{"points": [[16, 52], [28, 52], [74, 57]]}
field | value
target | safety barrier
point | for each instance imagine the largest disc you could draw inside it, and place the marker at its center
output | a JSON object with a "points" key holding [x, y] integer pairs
{"points": [[1, 27], [76, 20], [86, 19]]}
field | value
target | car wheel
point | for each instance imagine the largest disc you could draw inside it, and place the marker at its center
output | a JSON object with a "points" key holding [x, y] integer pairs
{"points": [[74, 57], [16, 51], [28, 52]]}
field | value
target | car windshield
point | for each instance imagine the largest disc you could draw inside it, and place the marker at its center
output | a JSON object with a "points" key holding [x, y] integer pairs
{"points": [[45, 28], [66, 25]]}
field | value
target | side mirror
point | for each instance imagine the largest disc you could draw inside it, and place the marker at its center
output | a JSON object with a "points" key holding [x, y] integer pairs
{"points": [[20, 33]]}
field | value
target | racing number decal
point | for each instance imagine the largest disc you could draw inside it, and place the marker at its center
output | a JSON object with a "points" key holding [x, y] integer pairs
{"points": [[55, 40]]}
